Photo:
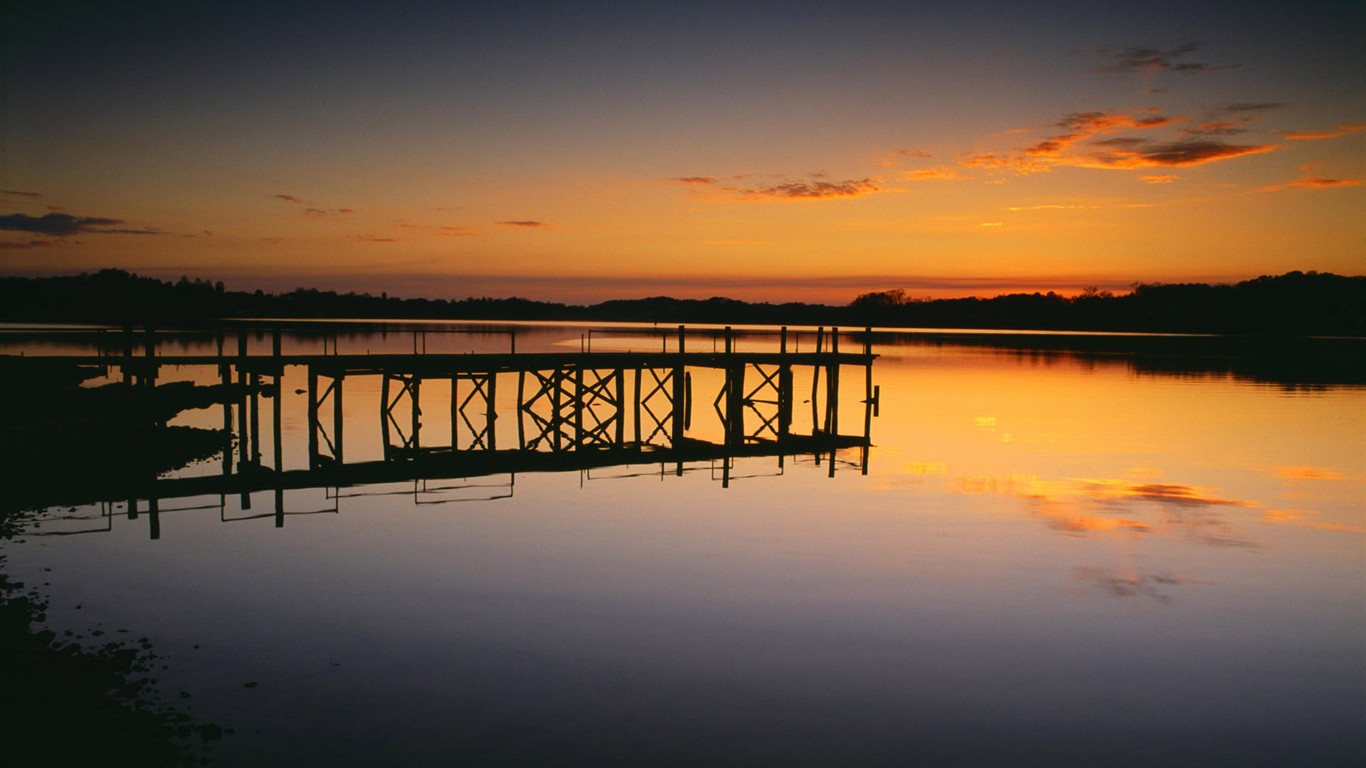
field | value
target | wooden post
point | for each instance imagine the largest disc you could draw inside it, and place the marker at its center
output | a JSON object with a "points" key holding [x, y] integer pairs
{"points": [[455, 411], [149, 376], [557, 406], [414, 392], [832, 387], [337, 415], [277, 431], [784, 401], [678, 395], [384, 411], [521, 395], [225, 380], [636, 408], [256, 418], [313, 404], [492, 414], [128, 357], [687, 400], [621, 406], [735, 409], [578, 407]]}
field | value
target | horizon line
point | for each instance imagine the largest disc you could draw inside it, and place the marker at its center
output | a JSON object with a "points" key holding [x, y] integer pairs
{"points": [[657, 288]]}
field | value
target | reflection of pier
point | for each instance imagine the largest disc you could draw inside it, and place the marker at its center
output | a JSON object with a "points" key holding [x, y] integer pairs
{"points": [[577, 410]]}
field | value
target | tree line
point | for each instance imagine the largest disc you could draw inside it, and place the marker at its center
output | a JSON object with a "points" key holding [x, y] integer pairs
{"points": [[1302, 303]]}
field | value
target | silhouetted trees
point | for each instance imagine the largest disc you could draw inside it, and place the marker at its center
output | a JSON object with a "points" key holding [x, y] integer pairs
{"points": [[1305, 303]]}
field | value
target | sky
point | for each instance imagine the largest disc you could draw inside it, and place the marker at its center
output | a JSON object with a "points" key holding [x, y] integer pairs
{"points": [[763, 151]]}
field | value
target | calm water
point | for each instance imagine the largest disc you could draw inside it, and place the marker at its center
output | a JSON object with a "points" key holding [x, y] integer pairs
{"points": [[1052, 558]]}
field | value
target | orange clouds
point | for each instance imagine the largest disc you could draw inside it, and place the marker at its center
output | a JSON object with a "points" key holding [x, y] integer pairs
{"points": [[1341, 130], [817, 189], [314, 212], [1312, 182], [1087, 144], [1171, 155], [939, 173], [812, 188], [1306, 473]]}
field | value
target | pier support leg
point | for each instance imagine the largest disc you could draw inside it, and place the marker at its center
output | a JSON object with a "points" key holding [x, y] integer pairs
{"points": [[337, 416], [313, 458]]}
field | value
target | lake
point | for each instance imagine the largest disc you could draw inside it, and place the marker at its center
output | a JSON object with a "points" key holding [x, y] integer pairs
{"points": [[1072, 550]]}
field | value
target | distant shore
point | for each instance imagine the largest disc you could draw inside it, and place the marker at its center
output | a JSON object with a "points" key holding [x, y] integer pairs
{"points": [[1295, 303]]}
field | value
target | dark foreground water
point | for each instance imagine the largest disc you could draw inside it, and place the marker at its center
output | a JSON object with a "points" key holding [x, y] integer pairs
{"points": [[1053, 558]]}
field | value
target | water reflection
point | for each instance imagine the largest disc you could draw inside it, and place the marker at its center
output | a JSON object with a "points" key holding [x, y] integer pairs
{"points": [[1052, 560]]}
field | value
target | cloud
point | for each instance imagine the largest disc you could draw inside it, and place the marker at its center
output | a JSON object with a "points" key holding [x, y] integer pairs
{"points": [[812, 188], [939, 173], [66, 225], [457, 231], [1106, 122], [1087, 144], [1216, 128], [528, 223], [322, 212], [1314, 183], [19, 193], [815, 189], [1252, 106], [1165, 178], [991, 161], [15, 246], [374, 239], [1305, 473], [1174, 154], [1085, 126], [895, 156], [1341, 130], [1311, 181], [1048, 207], [1142, 59], [288, 199]]}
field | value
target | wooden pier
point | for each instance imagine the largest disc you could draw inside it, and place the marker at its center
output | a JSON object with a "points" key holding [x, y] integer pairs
{"points": [[574, 409]]}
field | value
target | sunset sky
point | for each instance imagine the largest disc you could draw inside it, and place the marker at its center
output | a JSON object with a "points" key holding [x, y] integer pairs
{"points": [[765, 151]]}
